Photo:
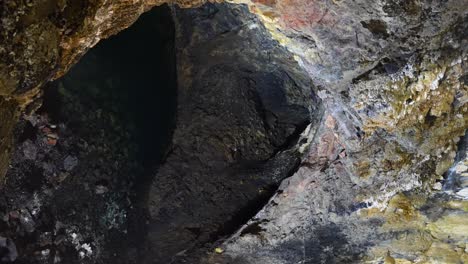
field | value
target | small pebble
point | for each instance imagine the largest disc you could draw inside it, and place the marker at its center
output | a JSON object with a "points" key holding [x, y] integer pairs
{"points": [[45, 252], [70, 163], [101, 189]]}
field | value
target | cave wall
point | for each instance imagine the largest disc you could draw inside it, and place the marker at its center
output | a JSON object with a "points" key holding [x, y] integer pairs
{"points": [[392, 78], [338, 42], [8, 116]]}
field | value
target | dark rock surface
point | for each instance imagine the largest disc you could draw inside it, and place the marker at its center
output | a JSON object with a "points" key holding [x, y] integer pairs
{"points": [[71, 194], [243, 102]]}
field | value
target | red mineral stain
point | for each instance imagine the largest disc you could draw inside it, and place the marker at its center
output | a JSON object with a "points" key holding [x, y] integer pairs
{"points": [[52, 141], [304, 14], [46, 130]]}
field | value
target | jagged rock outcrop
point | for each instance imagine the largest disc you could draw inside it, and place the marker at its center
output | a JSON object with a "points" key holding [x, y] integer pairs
{"points": [[392, 77]]}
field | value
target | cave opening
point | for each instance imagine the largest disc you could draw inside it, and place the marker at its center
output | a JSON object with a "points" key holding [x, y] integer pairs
{"points": [[132, 75], [88, 153]]}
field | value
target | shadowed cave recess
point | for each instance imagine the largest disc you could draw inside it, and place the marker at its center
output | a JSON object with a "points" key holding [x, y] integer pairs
{"points": [[158, 144]]}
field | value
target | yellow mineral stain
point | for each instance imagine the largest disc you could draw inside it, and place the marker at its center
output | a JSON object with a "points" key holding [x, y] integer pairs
{"points": [[453, 226], [461, 205]]}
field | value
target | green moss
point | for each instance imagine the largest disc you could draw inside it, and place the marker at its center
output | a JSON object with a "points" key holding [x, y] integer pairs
{"points": [[9, 112], [8, 83]]}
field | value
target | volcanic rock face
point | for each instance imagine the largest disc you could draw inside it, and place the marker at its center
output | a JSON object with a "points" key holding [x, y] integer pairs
{"points": [[392, 78], [377, 181], [339, 40], [243, 101]]}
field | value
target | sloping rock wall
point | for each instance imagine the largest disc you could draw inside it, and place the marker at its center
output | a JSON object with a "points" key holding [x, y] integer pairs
{"points": [[242, 104]]}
